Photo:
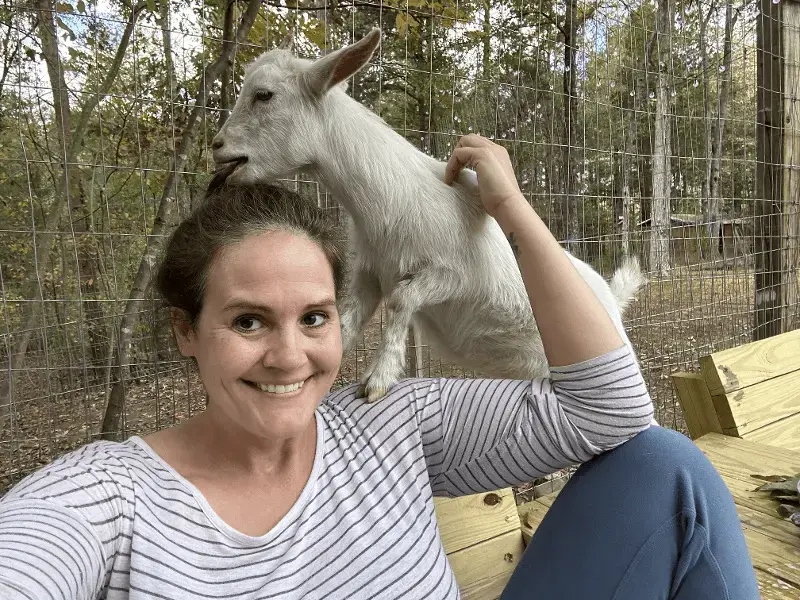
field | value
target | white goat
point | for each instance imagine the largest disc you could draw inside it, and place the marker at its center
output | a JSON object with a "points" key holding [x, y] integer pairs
{"points": [[427, 248]]}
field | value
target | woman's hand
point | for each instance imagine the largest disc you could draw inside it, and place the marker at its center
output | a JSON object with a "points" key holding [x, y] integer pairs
{"points": [[497, 183]]}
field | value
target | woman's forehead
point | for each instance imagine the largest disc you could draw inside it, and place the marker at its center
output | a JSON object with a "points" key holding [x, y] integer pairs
{"points": [[268, 259]]}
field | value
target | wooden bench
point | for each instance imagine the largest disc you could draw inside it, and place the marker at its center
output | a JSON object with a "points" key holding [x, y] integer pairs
{"points": [[750, 391], [483, 541]]}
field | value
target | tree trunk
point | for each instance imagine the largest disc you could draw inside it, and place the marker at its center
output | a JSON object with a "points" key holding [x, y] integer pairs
{"points": [[70, 147], [155, 241], [89, 277], [631, 154], [569, 202], [710, 211], [714, 196], [660, 213], [225, 80], [486, 71]]}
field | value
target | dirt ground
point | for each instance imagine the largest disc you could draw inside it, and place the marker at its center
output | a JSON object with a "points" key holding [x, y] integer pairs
{"points": [[673, 322]]}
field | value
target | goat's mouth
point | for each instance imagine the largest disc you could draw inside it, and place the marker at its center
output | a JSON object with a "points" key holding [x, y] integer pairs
{"points": [[225, 170]]}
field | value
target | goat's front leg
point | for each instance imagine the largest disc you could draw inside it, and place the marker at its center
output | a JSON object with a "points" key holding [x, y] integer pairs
{"points": [[358, 305], [426, 287]]}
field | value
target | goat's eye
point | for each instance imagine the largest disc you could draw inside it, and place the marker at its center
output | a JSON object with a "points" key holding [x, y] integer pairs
{"points": [[263, 96]]}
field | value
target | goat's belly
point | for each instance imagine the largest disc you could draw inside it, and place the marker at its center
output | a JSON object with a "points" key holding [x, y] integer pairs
{"points": [[490, 343]]}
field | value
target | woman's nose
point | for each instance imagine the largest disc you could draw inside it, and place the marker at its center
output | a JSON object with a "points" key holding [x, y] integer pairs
{"points": [[285, 350]]}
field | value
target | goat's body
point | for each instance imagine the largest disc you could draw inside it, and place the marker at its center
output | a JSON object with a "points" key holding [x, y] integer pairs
{"points": [[427, 249], [406, 220]]}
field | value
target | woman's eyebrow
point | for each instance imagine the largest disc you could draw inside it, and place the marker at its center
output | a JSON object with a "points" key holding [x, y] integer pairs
{"points": [[254, 306]]}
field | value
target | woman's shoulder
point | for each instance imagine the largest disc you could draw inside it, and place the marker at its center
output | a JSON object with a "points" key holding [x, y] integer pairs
{"points": [[405, 404], [101, 465]]}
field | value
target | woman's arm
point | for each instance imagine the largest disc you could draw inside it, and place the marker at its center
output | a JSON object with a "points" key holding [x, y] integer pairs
{"points": [[61, 526], [573, 324], [481, 434]]}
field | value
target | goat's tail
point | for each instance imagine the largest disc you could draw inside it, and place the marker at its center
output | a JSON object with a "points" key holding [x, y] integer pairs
{"points": [[626, 281]]}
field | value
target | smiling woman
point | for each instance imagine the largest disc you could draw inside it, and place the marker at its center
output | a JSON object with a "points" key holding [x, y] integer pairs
{"points": [[283, 489]]}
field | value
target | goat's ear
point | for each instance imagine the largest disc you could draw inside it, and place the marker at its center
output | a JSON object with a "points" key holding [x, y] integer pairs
{"points": [[338, 66]]}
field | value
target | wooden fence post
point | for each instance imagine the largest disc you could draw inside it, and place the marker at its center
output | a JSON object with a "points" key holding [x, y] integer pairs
{"points": [[768, 220], [791, 165]]}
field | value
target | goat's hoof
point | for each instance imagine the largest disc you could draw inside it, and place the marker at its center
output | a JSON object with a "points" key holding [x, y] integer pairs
{"points": [[370, 392], [376, 393]]}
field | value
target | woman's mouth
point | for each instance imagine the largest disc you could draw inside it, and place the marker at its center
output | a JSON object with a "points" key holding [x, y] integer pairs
{"points": [[276, 388]]}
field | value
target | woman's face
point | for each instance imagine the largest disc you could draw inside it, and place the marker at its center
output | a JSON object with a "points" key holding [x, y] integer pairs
{"points": [[268, 341]]}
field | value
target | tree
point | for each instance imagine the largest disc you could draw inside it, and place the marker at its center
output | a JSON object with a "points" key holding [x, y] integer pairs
{"points": [[716, 128], [71, 134], [662, 146]]}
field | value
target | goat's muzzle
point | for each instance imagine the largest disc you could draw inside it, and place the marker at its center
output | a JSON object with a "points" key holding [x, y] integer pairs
{"points": [[223, 171]]}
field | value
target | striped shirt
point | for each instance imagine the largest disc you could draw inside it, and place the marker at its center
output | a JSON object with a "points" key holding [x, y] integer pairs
{"points": [[113, 520]]}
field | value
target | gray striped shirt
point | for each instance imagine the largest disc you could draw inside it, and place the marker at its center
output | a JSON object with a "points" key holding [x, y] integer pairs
{"points": [[112, 520]]}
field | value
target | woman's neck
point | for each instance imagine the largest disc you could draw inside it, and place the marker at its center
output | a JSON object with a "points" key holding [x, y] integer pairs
{"points": [[208, 444]]}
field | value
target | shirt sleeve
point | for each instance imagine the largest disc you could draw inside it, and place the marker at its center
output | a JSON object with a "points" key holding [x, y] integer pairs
{"points": [[60, 528], [485, 434]]}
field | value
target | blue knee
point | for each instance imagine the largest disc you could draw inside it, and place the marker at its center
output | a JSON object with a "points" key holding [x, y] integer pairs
{"points": [[658, 457]]}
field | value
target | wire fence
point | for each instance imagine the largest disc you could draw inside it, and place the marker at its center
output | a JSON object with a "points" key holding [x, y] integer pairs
{"points": [[633, 128]]}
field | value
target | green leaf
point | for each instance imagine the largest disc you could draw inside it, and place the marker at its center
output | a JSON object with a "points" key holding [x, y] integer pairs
{"points": [[315, 31], [64, 7], [66, 27], [81, 6], [401, 23]]}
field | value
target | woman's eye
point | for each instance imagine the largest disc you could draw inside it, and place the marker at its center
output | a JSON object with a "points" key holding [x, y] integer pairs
{"points": [[247, 324], [315, 319], [263, 96]]}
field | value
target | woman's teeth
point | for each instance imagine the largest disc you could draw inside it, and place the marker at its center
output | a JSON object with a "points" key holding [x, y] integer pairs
{"points": [[279, 389]]}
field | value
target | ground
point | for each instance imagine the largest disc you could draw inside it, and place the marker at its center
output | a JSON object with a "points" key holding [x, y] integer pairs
{"points": [[673, 322]]}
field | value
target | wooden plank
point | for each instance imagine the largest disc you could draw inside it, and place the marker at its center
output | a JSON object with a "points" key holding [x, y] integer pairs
{"points": [[468, 520], [783, 434], [531, 515], [483, 570], [760, 405], [772, 556], [695, 400], [771, 526], [747, 455], [730, 370], [775, 588], [737, 460]]}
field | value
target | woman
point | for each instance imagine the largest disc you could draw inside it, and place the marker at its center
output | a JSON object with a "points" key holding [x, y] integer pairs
{"points": [[280, 489]]}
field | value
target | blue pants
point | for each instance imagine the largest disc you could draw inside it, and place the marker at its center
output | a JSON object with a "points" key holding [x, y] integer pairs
{"points": [[651, 519]]}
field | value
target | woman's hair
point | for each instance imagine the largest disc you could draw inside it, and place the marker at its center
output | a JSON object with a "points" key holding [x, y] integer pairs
{"points": [[228, 214]]}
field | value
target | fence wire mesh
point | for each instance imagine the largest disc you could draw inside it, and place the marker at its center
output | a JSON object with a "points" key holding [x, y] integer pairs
{"points": [[632, 126]]}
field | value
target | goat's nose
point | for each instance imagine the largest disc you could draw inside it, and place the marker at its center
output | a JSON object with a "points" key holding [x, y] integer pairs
{"points": [[217, 143]]}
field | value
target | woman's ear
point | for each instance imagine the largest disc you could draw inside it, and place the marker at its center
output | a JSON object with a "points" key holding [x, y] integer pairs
{"points": [[183, 330]]}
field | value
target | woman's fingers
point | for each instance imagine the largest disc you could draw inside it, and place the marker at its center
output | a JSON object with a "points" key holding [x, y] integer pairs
{"points": [[473, 140], [460, 158]]}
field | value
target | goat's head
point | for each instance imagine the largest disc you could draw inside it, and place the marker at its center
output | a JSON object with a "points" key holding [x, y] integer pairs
{"points": [[278, 122]]}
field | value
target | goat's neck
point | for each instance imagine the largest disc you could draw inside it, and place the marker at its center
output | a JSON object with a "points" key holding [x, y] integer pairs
{"points": [[368, 167]]}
